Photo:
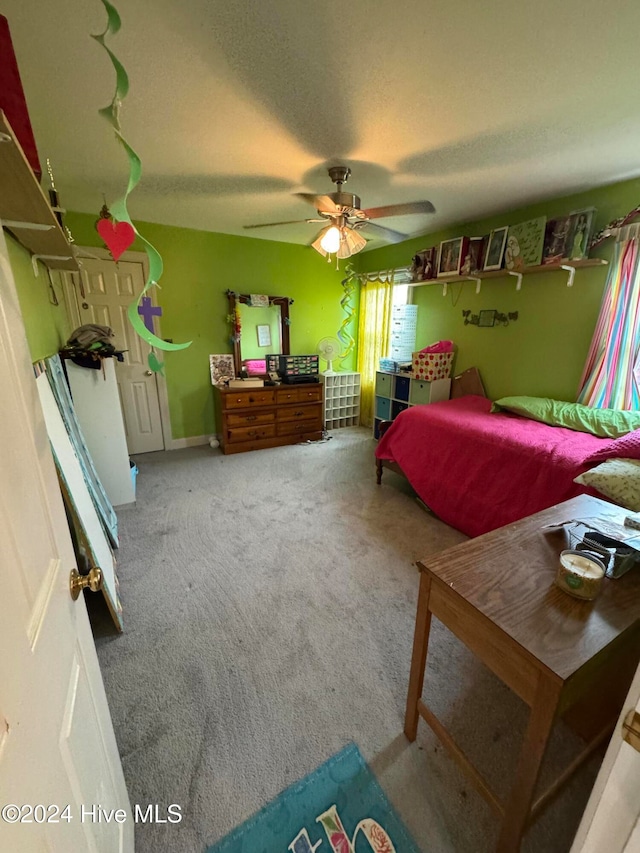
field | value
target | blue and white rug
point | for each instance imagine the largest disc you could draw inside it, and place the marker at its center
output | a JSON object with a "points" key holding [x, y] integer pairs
{"points": [[339, 808]]}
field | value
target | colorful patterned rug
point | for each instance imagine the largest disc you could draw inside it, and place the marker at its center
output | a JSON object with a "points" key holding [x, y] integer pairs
{"points": [[339, 808]]}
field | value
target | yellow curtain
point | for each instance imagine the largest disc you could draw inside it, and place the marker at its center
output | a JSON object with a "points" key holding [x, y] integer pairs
{"points": [[373, 338]]}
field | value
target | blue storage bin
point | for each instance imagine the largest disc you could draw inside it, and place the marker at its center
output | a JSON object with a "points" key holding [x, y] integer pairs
{"points": [[402, 386], [383, 408], [397, 407]]}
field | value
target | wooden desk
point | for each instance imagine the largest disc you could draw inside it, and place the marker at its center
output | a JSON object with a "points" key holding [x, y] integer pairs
{"points": [[562, 656]]}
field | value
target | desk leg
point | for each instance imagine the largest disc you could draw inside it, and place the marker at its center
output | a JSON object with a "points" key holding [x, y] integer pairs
{"points": [[419, 656], [518, 804]]}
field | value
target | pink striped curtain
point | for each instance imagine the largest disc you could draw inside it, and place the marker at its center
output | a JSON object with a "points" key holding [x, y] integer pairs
{"points": [[612, 373]]}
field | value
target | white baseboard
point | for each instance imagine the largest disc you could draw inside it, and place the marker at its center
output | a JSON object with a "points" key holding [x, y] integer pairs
{"points": [[190, 441]]}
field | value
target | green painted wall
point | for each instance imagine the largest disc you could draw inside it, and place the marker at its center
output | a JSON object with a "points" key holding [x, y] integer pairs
{"points": [[199, 268], [46, 325], [544, 351]]}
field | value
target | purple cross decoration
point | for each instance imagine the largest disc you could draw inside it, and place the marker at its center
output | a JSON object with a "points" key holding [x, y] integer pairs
{"points": [[148, 312]]}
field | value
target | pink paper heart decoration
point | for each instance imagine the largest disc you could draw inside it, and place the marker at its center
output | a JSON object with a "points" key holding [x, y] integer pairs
{"points": [[118, 236]]}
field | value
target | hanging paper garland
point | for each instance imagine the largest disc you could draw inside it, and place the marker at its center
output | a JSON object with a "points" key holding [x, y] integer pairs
{"points": [[344, 335], [121, 227]]}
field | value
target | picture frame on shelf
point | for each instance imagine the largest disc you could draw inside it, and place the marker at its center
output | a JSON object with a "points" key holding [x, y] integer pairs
{"points": [[423, 265], [525, 242], [451, 256], [495, 248], [264, 335], [580, 228], [556, 239], [474, 258]]}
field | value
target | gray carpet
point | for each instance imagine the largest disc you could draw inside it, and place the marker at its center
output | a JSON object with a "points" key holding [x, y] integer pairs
{"points": [[269, 601]]}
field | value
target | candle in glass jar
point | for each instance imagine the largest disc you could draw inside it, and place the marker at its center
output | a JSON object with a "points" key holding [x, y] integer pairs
{"points": [[580, 574]]}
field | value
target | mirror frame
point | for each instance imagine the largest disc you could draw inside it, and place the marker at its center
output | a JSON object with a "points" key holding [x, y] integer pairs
{"points": [[282, 301]]}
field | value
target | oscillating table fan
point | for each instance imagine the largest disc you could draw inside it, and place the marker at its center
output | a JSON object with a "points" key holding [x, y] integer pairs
{"points": [[329, 349]]}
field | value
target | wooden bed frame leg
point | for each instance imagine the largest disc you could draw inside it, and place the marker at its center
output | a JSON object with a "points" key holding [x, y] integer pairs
{"points": [[378, 472]]}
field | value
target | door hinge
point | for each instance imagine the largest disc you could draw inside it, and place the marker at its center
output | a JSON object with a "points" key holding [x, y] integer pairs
{"points": [[631, 729]]}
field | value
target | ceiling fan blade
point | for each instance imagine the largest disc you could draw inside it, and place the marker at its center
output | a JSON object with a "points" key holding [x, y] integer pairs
{"points": [[320, 202], [289, 222], [400, 209], [387, 234]]}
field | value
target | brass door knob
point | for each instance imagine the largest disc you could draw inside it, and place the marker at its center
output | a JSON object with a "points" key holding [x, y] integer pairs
{"points": [[78, 582], [148, 373]]}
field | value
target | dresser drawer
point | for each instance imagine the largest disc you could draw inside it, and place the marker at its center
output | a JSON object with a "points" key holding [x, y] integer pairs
{"points": [[248, 399], [254, 419], [294, 427], [287, 395], [310, 395], [304, 412], [251, 433]]}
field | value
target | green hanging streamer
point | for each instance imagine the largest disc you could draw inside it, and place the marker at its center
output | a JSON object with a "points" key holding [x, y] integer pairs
{"points": [[119, 208], [344, 335]]}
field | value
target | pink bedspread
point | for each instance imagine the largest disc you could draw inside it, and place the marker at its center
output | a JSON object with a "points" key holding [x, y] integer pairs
{"points": [[478, 471]]}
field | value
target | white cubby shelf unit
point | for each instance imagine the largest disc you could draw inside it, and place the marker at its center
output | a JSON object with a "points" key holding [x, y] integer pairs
{"points": [[396, 392], [341, 400]]}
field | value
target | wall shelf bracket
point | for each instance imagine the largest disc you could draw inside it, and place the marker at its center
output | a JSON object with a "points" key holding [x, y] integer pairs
{"points": [[571, 271], [478, 282], [517, 275], [29, 226], [45, 258]]}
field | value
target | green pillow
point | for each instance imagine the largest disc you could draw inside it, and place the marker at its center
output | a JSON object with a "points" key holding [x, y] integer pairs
{"points": [[608, 423]]}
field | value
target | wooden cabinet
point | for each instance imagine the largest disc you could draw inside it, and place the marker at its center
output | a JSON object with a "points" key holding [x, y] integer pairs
{"points": [[268, 417]]}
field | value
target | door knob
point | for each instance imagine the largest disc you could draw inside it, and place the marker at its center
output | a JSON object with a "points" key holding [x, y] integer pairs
{"points": [[148, 373], [78, 582]]}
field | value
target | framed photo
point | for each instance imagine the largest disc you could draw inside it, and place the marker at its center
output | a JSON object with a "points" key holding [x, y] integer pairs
{"points": [[556, 239], [474, 258], [495, 248], [451, 255], [264, 335], [487, 318], [423, 265], [580, 228], [524, 244], [222, 368]]}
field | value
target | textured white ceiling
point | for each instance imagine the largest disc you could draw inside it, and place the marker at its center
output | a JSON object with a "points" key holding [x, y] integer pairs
{"points": [[477, 106]]}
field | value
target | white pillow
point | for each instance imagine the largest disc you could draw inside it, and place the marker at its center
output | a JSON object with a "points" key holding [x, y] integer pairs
{"points": [[616, 479]]}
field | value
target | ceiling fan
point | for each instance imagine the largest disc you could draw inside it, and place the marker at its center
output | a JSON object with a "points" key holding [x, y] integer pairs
{"points": [[344, 218]]}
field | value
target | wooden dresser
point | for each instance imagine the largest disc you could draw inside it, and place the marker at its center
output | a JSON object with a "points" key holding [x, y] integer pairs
{"points": [[268, 417]]}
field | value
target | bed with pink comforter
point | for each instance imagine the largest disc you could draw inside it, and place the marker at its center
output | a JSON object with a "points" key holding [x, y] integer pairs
{"points": [[478, 471]]}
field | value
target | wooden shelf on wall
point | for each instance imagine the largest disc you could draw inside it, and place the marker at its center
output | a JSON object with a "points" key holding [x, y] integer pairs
{"points": [[565, 266], [23, 202]]}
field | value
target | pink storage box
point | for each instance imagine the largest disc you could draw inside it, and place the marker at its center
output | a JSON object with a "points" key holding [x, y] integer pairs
{"points": [[431, 365]]}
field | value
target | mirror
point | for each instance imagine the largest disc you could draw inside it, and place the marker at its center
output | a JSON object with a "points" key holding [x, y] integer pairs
{"points": [[263, 329]]}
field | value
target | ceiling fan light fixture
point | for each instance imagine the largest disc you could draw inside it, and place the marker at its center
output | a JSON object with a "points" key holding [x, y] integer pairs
{"points": [[331, 239], [353, 240], [340, 240]]}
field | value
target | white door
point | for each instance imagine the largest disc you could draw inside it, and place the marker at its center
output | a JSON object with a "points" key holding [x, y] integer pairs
{"points": [[57, 744], [101, 294], [611, 820]]}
